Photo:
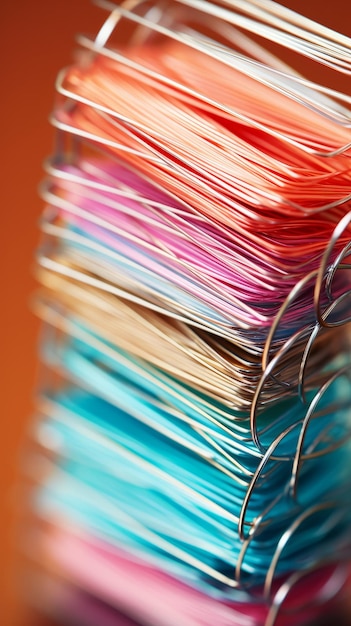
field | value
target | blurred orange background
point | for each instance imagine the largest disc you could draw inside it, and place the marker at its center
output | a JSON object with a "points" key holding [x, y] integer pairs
{"points": [[37, 38]]}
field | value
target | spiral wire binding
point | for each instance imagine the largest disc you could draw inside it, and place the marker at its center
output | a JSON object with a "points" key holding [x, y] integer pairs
{"points": [[195, 281]]}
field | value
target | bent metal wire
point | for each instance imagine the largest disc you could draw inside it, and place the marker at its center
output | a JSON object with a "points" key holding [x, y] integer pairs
{"points": [[196, 290]]}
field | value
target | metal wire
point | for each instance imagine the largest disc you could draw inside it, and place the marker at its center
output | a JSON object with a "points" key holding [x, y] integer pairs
{"points": [[196, 288]]}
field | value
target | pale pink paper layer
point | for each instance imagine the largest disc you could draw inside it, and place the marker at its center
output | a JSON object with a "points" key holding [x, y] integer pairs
{"points": [[148, 594]]}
